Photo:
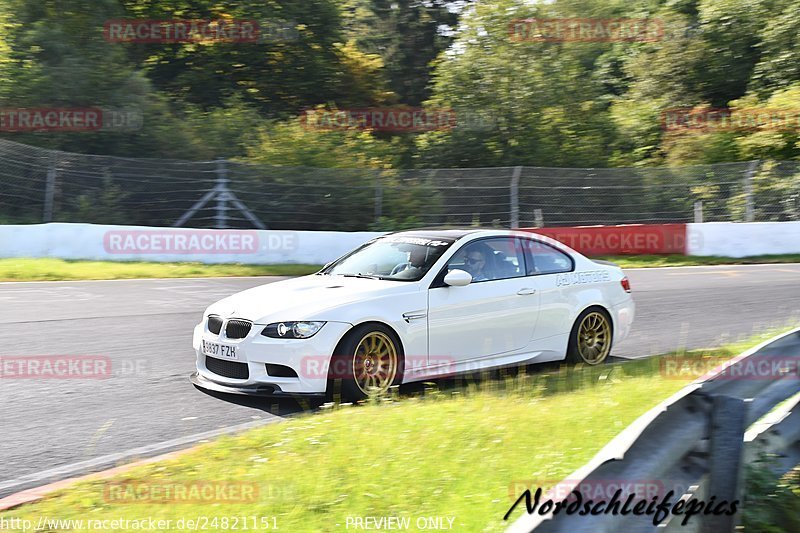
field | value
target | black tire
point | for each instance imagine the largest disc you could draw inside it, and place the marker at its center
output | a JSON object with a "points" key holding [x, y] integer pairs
{"points": [[591, 338], [357, 369]]}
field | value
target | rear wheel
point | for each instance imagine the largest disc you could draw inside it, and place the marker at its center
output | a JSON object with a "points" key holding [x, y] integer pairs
{"points": [[590, 338], [370, 360]]}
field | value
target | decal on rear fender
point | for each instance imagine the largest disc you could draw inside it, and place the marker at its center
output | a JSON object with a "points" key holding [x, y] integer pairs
{"points": [[578, 278]]}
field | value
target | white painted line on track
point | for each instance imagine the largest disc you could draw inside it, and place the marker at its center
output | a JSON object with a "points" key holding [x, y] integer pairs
{"points": [[114, 459]]}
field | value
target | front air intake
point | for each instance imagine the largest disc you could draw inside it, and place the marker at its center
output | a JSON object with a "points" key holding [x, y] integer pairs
{"points": [[228, 369], [237, 329], [214, 324]]}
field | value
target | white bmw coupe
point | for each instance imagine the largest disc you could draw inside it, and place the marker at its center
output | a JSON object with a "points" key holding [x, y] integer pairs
{"points": [[413, 306]]}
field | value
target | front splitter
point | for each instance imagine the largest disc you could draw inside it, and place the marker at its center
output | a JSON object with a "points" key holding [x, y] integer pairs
{"points": [[260, 390]]}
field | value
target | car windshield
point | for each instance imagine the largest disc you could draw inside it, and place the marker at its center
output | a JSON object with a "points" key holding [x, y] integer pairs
{"points": [[393, 257]]}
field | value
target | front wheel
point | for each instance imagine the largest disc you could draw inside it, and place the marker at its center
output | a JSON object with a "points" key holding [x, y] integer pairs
{"points": [[590, 338], [370, 361]]}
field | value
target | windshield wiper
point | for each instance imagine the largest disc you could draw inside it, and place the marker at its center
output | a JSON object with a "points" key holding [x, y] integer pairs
{"points": [[360, 275]]}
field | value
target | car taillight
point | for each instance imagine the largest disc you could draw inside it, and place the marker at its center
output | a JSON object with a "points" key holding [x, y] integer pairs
{"points": [[626, 284]]}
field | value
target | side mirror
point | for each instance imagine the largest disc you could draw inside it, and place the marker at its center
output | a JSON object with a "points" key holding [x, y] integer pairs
{"points": [[458, 278]]}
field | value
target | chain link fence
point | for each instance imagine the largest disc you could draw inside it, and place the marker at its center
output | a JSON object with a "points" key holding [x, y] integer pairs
{"points": [[39, 185]]}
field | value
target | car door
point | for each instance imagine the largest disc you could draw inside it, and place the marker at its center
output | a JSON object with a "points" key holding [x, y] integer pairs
{"points": [[489, 316], [544, 264]]}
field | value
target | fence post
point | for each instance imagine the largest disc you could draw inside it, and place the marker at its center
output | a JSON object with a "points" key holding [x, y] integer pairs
{"points": [[378, 197], [221, 217], [538, 218], [698, 212], [726, 447], [749, 201], [49, 190], [514, 197]]}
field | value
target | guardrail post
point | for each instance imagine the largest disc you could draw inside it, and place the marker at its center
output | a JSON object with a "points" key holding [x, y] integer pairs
{"points": [[726, 448], [749, 201], [49, 190], [538, 218], [698, 212], [514, 197], [221, 218], [378, 197]]}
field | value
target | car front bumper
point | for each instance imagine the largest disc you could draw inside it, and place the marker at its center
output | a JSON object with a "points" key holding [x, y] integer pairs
{"points": [[309, 359]]}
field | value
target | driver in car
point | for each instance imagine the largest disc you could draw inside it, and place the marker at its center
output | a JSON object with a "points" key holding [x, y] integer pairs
{"points": [[475, 263]]}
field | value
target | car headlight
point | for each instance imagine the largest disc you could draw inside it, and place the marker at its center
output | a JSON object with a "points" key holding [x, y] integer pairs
{"points": [[292, 330]]}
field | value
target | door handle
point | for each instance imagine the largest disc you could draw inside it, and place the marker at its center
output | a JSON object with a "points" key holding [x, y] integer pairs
{"points": [[526, 291]]}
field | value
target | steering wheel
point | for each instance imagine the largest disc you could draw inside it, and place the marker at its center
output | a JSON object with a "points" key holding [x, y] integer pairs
{"points": [[399, 268]]}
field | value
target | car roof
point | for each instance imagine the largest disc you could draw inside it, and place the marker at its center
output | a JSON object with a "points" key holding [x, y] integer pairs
{"points": [[457, 233], [432, 233]]}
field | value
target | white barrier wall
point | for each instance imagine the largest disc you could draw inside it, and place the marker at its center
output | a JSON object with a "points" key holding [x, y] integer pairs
{"points": [[734, 239], [140, 243]]}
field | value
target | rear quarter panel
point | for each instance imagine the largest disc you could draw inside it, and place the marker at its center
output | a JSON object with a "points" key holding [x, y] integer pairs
{"points": [[564, 296]]}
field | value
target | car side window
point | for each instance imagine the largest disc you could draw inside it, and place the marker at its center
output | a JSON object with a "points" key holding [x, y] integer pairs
{"points": [[490, 259], [542, 258]]}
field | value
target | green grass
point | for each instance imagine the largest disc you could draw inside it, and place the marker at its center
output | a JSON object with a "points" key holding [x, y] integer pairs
{"points": [[644, 261], [59, 269], [455, 450]]}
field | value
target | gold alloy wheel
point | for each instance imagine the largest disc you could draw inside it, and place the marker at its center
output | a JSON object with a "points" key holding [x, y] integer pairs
{"points": [[594, 338], [375, 363]]}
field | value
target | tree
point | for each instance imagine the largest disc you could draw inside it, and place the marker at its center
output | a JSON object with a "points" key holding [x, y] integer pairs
{"points": [[545, 103], [408, 35], [779, 61], [308, 64], [59, 58]]}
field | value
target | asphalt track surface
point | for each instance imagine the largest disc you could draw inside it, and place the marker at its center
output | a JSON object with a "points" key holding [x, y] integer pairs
{"points": [[51, 429]]}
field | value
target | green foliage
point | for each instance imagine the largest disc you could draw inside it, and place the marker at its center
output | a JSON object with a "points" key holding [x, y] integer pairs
{"points": [[296, 143], [779, 46], [771, 505], [393, 224], [101, 207], [573, 104], [407, 36]]}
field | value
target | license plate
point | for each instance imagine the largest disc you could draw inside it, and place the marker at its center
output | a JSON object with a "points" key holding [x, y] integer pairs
{"points": [[222, 351]]}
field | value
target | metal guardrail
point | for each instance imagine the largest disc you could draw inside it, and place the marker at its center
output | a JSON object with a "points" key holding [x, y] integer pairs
{"points": [[697, 443]]}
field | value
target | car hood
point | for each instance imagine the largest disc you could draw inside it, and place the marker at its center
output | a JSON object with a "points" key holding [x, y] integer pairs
{"points": [[304, 298]]}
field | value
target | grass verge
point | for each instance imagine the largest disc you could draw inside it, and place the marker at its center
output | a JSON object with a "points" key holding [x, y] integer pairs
{"points": [[457, 451], [47, 269], [58, 269], [645, 261]]}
